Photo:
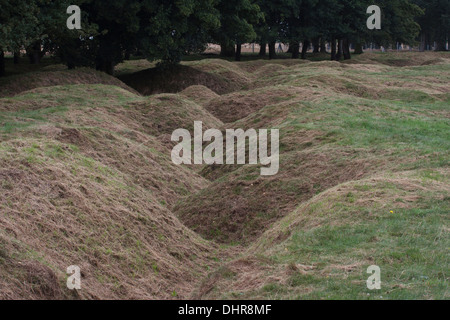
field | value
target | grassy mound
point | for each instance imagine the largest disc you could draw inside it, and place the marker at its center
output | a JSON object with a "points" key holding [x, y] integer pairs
{"points": [[13, 85], [64, 208], [328, 137], [402, 59], [86, 179], [87, 182], [199, 94], [238, 105], [165, 113], [218, 76], [322, 249]]}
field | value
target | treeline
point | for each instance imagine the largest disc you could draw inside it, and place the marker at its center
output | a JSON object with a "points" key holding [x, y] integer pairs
{"points": [[165, 30]]}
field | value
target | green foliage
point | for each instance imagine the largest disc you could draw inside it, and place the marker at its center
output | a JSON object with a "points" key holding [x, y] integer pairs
{"points": [[170, 29], [398, 23], [237, 18], [74, 47], [18, 23], [165, 30], [435, 22]]}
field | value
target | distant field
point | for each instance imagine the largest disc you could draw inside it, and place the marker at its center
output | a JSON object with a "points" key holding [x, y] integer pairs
{"points": [[86, 179]]}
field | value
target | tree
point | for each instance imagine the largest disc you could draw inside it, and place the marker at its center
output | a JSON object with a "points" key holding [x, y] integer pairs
{"points": [[270, 29], [398, 23], [18, 26], [161, 29], [170, 29], [349, 24], [117, 22], [53, 35], [346, 21], [435, 23], [237, 18]]}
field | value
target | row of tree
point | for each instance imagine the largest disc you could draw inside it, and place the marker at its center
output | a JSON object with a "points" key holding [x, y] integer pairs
{"points": [[166, 30]]}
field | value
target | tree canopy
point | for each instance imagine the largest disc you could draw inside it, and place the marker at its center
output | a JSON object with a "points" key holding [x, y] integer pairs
{"points": [[166, 30]]}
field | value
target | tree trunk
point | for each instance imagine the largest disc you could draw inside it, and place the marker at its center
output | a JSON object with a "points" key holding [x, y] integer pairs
{"points": [[316, 45], [127, 54], [323, 47], [346, 49], [237, 57], [305, 48], [35, 53], [227, 50], [339, 50], [2, 63], [441, 45], [358, 48], [425, 44], [272, 51], [289, 50], [105, 66], [422, 42], [16, 57], [333, 48], [262, 49], [295, 48]]}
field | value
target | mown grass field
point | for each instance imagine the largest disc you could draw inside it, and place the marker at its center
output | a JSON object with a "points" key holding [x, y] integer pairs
{"points": [[87, 179]]}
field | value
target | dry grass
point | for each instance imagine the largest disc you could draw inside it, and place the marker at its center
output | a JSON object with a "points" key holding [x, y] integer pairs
{"points": [[92, 185], [86, 179], [16, 84], [199, 94], [219, 76], [350, 204], [65, 208]]}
